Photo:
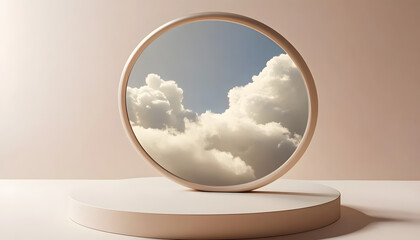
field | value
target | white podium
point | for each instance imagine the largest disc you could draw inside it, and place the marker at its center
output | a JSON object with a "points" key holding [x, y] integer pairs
{"points": [[159, 208]]}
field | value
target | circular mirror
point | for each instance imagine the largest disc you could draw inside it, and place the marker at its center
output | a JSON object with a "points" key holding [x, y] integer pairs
{"points": [[218, 102]]}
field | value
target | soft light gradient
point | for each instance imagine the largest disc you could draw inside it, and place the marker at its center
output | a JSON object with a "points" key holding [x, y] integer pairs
{"points": [[61, 63]]}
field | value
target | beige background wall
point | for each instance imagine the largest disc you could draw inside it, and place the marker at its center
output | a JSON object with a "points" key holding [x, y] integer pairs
{"points": [[60, 65]]}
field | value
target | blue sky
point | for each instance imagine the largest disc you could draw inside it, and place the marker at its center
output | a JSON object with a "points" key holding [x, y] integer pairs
{"points": [[206, 59]]}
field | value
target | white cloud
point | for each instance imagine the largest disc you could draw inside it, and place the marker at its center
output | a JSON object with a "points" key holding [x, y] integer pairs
{"points": [[157, 105], [277, 94], [184, 155], [254, 136]]}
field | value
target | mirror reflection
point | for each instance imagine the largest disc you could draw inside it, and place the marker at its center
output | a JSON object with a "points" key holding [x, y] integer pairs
{"points": [[217, 103]]}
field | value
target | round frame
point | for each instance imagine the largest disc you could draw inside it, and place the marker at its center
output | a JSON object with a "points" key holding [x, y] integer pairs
{"points": [[263, 29]]}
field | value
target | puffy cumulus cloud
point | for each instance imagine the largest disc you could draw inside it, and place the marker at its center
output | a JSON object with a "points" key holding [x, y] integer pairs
{"points": [[257, 133], [277, 94], [185, 155], [158, 104], [264, 147]]}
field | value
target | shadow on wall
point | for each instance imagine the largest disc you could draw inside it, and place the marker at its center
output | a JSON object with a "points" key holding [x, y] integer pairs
{"points": [[351, 220]]}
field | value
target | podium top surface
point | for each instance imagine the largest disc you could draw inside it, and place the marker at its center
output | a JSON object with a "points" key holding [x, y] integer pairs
{"points": [[162, 196]]}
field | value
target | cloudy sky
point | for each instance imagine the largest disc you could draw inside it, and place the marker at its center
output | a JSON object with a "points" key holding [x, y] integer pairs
{"points": [[206, 59], [217, 103]]}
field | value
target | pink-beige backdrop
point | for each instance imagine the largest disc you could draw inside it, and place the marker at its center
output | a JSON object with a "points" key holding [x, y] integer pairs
{"points": [[61, 61]]}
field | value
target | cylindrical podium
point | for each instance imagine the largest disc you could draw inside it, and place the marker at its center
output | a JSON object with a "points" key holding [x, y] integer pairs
{"points": [[159, 208]]}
